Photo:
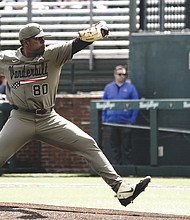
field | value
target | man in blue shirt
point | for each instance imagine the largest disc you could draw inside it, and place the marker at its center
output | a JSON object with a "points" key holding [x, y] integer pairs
{"points": [[118, 139]]}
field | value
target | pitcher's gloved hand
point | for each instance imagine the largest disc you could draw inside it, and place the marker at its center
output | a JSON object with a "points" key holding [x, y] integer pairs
{"points": [[98, 31]]}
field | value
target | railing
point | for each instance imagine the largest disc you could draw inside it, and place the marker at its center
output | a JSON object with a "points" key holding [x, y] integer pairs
{"points": [[153, 106]]}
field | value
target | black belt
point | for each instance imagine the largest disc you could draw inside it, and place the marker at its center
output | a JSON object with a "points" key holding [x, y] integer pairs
{"points": [[40, 111]]}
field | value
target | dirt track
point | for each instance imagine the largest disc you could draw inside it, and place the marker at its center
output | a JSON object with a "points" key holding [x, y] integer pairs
{"points": [[15, 211]]}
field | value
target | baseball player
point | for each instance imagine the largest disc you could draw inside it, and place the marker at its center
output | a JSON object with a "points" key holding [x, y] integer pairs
{"points": [[32, 72]]}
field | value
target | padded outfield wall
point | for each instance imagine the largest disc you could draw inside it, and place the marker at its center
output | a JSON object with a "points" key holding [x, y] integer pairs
{"points": [[160, 68]]}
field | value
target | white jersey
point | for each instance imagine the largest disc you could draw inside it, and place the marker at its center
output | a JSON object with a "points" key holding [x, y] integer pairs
{"points": [[32, 82]]}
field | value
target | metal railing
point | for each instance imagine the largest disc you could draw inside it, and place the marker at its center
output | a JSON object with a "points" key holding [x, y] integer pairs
{"points": [[153, 106]]}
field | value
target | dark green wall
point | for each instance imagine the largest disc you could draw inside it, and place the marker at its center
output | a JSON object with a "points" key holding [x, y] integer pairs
{"points": [[159, 65]]}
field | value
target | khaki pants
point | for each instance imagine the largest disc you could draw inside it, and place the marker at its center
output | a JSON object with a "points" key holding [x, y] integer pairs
{"points": [[22, 127], [117, 144]]}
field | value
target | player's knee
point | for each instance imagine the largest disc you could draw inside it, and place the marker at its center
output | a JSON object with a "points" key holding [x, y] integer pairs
{"points": [[90, 142]]}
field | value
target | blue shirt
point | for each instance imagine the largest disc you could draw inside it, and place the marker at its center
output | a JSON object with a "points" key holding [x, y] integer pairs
{"points": [[2, 88], [125, 91]]}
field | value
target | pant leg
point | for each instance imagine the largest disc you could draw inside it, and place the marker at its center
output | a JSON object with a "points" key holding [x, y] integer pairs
{"points": [[107, 149], [62, 133], [126, 146], [113, 135], [16, 132]]}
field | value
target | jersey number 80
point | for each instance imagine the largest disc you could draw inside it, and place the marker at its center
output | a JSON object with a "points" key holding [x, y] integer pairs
{"points": [[40, 89]]}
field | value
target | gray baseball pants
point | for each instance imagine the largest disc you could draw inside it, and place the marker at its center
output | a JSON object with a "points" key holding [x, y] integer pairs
{"points": [[22, 127]]}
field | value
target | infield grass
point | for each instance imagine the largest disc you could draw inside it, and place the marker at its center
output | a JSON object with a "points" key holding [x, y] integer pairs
{"points": [[164, 195]]}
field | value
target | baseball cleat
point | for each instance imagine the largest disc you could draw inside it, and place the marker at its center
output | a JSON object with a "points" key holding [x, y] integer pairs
{"points": [[128, 192]]}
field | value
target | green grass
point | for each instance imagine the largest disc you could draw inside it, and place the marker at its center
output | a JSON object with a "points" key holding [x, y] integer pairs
{"points": [[164, 195]]}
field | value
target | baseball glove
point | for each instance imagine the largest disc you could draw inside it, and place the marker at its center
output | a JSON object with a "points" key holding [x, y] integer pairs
{"points": [[96, 32]]}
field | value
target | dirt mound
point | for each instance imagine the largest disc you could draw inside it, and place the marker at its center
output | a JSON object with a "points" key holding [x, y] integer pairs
{"points": [[11, 211]]}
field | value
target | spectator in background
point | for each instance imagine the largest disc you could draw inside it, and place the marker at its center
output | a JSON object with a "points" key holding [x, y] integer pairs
{"points": [[2, 84], [117, 139]]}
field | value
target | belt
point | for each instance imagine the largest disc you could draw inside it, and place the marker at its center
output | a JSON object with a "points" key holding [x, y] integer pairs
{"points": [[39, 111]]}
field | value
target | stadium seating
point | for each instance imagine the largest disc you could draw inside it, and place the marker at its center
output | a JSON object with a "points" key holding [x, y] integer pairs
{"points": [[64, 19], [92, 67]]}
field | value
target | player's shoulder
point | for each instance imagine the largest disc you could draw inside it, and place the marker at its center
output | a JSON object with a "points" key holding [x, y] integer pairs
{"points": [[54, 49], [57, 46]]}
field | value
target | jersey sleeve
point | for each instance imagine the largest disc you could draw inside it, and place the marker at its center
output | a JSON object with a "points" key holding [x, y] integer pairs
{"points": [[78, 45], [59, 54]]}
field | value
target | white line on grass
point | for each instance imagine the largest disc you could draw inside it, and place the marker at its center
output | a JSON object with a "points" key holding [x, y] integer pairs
{"points": [[12, 185]]}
